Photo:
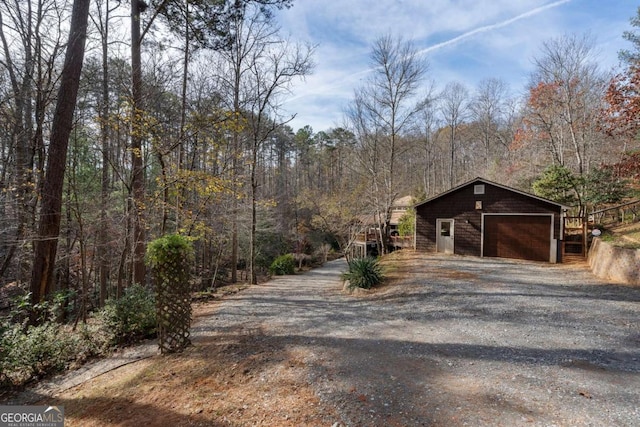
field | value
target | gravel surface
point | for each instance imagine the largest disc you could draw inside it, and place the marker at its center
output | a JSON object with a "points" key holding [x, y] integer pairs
{"points": [[456, 341], [447, 341]]}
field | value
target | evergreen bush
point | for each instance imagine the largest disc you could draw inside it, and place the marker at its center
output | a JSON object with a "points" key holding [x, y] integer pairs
{"points": [[407, 223], [131, 317], [29, 352], [32, 352], [284, 264]]}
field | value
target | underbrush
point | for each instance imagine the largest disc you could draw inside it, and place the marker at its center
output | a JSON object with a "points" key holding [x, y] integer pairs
{"points": [[29, 352]]}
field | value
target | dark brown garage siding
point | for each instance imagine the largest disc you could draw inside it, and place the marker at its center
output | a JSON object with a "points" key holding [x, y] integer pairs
{"points": [[517, 236]]}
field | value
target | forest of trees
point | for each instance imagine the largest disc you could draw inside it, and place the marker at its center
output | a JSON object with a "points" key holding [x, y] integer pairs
{"points": [[178, 128]]}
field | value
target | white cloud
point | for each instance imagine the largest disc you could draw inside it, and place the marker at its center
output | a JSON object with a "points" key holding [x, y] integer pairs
{"points": [[464, 40]]}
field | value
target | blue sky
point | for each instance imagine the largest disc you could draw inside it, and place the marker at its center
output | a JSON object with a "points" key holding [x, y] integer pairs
{"points": [[462, 40]]}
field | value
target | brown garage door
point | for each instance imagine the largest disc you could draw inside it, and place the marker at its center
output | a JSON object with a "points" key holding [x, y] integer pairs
{"points": [[517, 236]]}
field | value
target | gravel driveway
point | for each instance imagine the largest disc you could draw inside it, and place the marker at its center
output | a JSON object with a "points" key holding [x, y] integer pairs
{"points": [[457, 341]]}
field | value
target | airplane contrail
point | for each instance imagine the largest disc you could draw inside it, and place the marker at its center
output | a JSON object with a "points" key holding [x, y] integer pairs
{"points": [[492, 26], [479, 30], [449, 42]]}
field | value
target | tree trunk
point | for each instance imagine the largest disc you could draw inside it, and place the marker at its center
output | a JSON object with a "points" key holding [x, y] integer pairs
{"points": [[103, 233], [137, 176], [234, 170], [182, 194], [49, 223], [21, 136]]}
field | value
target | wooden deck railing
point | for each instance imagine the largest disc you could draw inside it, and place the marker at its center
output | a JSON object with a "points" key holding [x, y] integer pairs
{"points": [[402, 241], [395, 241], [366, 237], [577, 232]]}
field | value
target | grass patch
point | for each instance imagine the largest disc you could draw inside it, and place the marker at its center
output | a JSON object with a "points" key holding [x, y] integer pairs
{"points": [[624, 236]]}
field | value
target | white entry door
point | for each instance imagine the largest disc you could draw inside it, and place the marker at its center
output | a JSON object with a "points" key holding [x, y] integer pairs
{"points": [[444, 236]]}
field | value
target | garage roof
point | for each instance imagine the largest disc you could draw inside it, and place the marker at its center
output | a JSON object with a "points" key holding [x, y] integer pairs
{"points": [[486, 181]]}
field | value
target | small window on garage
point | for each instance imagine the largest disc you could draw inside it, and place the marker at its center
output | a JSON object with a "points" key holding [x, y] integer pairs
{"points": [[478, 189]]}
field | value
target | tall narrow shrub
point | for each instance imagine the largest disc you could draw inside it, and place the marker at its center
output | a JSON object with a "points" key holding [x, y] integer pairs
{"points": [[170, 259]]}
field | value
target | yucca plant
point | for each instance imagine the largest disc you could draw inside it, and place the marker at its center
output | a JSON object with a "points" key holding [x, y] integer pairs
{"points": [[364, 273]]}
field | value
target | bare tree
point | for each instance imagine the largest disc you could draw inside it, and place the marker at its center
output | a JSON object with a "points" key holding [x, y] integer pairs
{"points": [[248, 35], [487, 110], [454, 104], [381, 111], [103, 20], [272, 70], [256, 71], [568, 80], [427, 125], [31, 46]]}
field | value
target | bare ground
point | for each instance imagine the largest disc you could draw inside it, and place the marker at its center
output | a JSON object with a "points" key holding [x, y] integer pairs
{"points": [[447, 341]]}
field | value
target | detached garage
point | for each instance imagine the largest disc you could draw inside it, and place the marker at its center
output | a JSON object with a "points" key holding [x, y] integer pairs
{"points": [[483, 218]]}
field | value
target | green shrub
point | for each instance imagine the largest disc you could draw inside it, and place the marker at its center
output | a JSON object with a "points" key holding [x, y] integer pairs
{"points": [[62, 304], [59, 307], [32, 352], [131, 317], [163, 252], [364, 273], [407, 223], [269, 245], [29, 352], [36, 351], [91, 339], [284, 264]]}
